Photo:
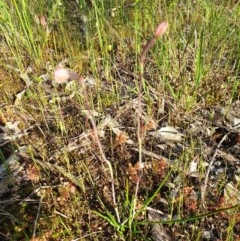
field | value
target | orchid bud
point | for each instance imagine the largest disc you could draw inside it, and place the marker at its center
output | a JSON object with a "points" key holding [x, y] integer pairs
{"points": [[61, 75], [161, 29]]}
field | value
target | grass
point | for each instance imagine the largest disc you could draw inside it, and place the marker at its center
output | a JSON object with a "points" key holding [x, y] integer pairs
{"points": [[68, 189]]}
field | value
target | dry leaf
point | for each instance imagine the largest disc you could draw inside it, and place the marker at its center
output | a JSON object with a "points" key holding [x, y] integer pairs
{"points": [[193, 166], [159, 233], [19, 97], [168, 134], [11, 128]]}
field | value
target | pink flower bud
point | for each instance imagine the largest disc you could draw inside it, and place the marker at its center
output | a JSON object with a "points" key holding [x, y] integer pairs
{"points": [[161, 29], [61, 75]]}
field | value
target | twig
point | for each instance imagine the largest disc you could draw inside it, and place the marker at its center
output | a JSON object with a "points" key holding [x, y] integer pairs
{"points": [[35, 222], [5, 236], [204, 186]]}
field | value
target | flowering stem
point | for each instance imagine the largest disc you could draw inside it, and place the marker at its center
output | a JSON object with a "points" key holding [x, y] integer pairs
{"points": [[161, 29]]}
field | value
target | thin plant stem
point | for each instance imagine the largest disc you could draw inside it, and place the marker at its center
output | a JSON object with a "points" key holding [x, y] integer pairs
{"points": [[162, 27], [104, 159]]}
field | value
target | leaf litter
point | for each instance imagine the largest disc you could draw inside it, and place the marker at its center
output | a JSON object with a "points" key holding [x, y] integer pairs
{"points": [[164, 148]]}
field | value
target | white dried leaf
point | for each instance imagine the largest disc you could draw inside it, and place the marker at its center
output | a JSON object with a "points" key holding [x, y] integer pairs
{"points": [[26, 79], [193, 166], [44, 77], [55, 99], [49, 66], [101, 133], [129, 141], [116, 131], [210, 132], [168, 134], [29, 70], [61, 98], [111, 123], [69, 97], [92, 112], [19, 97], [208, 234], [11, 127], [71, 85], [235, 121], [6, 138]]}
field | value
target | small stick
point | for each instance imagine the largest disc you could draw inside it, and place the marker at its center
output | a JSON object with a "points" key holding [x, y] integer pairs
{"points": [[204, 186], [37, 217]]}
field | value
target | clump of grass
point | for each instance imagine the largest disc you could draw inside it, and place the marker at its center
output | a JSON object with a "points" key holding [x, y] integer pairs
{"points": [[25, 38]]}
